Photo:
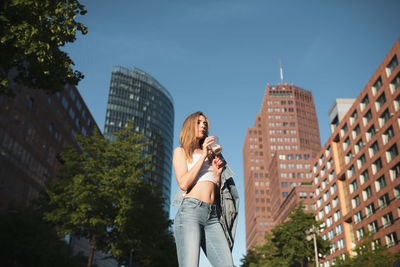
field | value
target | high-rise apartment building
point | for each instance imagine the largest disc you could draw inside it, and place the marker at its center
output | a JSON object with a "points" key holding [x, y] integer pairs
{"points": [[357, 173], [277, 156], [135, 95], [34, 129]]}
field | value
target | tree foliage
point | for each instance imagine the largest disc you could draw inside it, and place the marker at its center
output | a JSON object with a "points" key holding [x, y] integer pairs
{"points": [[27, 240], [287, 244], [369, 254], [101, 195], [32, 32]]}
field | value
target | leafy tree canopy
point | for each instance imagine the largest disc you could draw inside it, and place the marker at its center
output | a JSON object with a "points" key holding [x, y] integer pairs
{"points": [[369, 254], [287, 244], [101, 195], [32, 32]]}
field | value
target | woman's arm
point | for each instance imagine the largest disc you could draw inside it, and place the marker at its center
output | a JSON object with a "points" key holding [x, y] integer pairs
{"points": [[185, 177]]}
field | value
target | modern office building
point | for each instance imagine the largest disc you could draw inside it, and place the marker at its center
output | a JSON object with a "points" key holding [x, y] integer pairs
{"points": [[277, 155], [34, 129], [357, 173], [135, 95]]}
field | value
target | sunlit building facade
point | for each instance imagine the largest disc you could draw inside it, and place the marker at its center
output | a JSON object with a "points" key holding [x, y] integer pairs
{"points": [[136, 96], [357, 173], [277, 156]]}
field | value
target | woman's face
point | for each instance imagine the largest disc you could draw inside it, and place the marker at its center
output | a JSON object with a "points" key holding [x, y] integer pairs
{"points": [[202, 127]]}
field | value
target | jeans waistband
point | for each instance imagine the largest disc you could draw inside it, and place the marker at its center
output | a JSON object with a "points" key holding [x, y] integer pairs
{"points": [[199, 203]]}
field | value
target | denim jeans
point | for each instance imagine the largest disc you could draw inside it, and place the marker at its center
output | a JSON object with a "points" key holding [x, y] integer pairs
{"points": [[196, 225]]}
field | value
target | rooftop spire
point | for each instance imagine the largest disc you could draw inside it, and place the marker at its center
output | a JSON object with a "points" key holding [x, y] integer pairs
{"points": [[280, 60]]}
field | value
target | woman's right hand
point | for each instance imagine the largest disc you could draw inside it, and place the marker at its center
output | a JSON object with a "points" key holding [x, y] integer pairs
{"points": [[207, 142]]}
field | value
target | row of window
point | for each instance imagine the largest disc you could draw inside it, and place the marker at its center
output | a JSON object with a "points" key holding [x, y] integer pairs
{"points": [[282, 102]]}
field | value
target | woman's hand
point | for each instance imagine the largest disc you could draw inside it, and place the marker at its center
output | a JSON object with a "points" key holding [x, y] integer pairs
{"points": [[207, 142], [217, 164]]}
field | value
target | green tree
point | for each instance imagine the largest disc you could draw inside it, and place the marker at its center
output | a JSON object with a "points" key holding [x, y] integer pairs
{"points": [[287, 244], [32, 32], [27, 240], [369, 254], [101, 195]]}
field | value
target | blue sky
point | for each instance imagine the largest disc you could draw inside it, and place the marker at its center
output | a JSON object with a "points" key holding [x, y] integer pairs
{"points": [[217, 57]]}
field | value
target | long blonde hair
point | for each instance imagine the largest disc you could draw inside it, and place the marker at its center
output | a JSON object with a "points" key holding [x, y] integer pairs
{"points": [[187, 137]]}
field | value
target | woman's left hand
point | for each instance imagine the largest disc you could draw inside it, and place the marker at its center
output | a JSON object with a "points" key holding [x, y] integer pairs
{"points": [[218, 167]]}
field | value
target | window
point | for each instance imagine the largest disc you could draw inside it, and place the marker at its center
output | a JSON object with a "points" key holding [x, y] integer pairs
{"points": [[392, 65], [370, 209], [373, 149], [377, 85], [353, 117], [361, 161], [377, 166], [387, 135], [71, 113], [284, 194], [341, 244], [391, 153], [349, 157], [384, 118], [339, 229], [359, 145], [367, 117], [380, 101], [326, 195], [358, 217], [64, 102], [328, 208], [383, 201], [364, 176], [396, 192], [380, 183], [350, 172], [353, 186], [324, 184], [336, 215], [370, 133], [364, 103], [331, 235], [329, 221], [391, 239], [346, 143], [344, 130], [387, 220], [373, 227], [335, 202], [356, 131], [360, 233], [367, 193], [51, 127], [333, 189], [355, 202], [395, 172]]}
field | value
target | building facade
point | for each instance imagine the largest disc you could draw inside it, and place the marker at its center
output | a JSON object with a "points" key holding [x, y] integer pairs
{"points": [[34, 129], [136, 96], [277, 155], [357, 173]]}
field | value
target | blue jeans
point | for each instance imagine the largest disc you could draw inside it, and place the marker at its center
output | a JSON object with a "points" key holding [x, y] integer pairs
{"points": [[196, 225]]}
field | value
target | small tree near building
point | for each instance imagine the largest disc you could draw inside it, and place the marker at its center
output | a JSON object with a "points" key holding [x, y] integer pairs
{"points": [[101, 195]]}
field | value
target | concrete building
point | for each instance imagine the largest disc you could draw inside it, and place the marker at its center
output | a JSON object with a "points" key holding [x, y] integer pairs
{"points": [[357, 173], [34, 129], [277, 156], [135, 95]]}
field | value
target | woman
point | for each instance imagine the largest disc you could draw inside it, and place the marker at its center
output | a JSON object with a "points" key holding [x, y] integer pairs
{"points": [[196, 223]]}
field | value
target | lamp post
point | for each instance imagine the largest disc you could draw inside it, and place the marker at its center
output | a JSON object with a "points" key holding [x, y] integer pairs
{"points": [[312, 233]]}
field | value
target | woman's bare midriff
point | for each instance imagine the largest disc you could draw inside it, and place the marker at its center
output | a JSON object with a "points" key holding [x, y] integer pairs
{"points": [[204, 191]]}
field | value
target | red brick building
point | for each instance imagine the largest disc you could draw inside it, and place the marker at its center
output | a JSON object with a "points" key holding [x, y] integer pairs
{"points": [[277, 154], [357, 173]]}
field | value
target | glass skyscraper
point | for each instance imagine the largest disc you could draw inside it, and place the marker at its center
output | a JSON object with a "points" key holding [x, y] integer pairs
{"points": [[135, 95]]}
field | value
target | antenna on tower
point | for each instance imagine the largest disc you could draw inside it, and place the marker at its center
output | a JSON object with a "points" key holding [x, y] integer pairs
{"points": [[280, 60]]}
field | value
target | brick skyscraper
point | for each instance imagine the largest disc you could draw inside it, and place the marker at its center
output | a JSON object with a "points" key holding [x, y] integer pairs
{"points": [[277, 154]]}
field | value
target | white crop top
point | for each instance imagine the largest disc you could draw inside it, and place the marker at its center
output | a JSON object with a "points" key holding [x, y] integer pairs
{"points": [[206, 172]]}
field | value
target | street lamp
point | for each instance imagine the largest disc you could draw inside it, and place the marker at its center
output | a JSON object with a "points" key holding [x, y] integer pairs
{"points": [[312, 233]]}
